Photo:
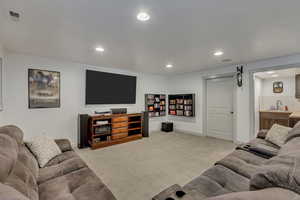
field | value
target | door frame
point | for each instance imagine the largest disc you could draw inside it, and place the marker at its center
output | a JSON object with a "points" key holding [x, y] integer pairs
{"points": [[204, 99], [252, 91]]}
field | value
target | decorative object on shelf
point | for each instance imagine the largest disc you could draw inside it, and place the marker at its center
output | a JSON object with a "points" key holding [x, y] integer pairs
{"points": [[103, 113], [182, 105], [43, 88], [239, 75], [118, 110], [155, 104], [278, 87]]}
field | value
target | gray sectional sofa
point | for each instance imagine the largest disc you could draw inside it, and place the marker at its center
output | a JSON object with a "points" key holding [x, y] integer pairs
{"points": [[66, 177], [258, 170]]}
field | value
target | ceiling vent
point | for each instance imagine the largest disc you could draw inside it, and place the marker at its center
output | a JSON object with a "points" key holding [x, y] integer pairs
{"points": [[14, 15], [227, 60]]}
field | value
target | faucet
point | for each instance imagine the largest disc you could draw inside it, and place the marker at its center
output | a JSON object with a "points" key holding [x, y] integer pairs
{"points": [[278, 104]]}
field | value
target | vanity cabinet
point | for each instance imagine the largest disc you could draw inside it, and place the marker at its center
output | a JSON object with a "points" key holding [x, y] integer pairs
{"points": [[268, 118]]}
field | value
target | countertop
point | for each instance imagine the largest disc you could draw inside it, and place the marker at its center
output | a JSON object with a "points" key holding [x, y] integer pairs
{"points": [[295, 114]]}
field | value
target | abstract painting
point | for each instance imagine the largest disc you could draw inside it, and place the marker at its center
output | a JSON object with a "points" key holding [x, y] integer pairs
{"points": [[43, 88]]}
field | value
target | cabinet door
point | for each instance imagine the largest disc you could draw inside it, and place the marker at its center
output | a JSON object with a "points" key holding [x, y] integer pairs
{"points": [[268, 119], [297, 86]]}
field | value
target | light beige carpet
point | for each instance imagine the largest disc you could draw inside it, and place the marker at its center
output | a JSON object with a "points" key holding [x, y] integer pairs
{"points": [[139, 170]]}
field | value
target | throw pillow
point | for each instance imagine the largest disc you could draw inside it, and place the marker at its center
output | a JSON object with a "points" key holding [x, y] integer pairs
{"points": [[277, 134], [44, 149]]}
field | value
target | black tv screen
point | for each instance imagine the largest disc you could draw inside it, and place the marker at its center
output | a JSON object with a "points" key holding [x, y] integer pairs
{"points": [[108, 88]]}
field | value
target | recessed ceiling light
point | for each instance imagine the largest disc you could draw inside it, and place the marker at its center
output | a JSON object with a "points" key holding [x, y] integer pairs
{"points": [[169, 66], [218, 53], [275, 75], [270, 72], [99, 49], [143, 16]]}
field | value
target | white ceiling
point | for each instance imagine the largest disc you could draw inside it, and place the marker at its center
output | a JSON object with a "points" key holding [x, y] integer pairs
{"points": [[291, 72], [183, 32]]}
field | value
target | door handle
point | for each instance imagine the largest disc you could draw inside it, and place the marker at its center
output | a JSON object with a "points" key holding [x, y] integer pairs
{"points": [[231, 112]]}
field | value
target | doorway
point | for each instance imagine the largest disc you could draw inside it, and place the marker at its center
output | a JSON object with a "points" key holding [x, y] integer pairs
{"points": [[219, 108]]}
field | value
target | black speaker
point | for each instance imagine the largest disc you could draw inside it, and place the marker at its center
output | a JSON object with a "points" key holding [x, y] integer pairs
{"points": [[118, 110], [145, 124], [167, 126], [83, 121]]}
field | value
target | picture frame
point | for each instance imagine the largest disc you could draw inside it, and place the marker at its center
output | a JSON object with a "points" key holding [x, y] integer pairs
{"points": [[43, 89], [278, 87]]}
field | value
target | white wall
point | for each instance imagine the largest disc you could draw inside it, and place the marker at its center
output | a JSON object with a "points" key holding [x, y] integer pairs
{"points": [[287, 97], [188, 84], [193, 82], [62, 122], [258, 84], [1, 57], [288, 86]]}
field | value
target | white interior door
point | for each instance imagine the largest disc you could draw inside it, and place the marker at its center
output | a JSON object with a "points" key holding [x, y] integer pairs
{"points": [[220, 108]]}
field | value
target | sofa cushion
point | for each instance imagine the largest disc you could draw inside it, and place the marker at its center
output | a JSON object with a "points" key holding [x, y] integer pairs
{"points": [[263, 147], [278, 134], [216, 181], [8, 155], [282, 170], [242, 162], [61, 169], [61, 158], [9, 193], [81, 184], [14, 132], [64, 144], [29, 161], [44, 149], [295, 132], [265, 194], [23, 181]]}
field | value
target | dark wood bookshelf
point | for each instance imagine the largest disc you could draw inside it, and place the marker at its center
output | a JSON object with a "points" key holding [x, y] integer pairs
{"points": [[156, 104], [182, 105], [118, 128]]}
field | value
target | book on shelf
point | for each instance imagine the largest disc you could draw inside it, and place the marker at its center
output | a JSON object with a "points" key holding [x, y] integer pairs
{"points": [[188, 108], [179, 112], [172, 112], [188, 101], [188, 113], [179, 101]]}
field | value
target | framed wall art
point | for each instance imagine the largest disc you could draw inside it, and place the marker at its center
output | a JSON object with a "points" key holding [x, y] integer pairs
{"points": [[43, 88], [278, 87]]}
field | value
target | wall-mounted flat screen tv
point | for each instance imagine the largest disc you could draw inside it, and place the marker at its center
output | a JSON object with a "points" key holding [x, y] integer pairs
{"points": [[108, 88]]}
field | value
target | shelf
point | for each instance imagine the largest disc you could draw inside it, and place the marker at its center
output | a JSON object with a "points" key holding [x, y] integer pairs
{"points": [[132, 129], [102, 144], [134, 122], [100, 134]]}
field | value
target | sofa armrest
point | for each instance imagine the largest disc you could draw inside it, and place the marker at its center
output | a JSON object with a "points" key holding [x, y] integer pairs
{"points": [[262, 133], [269, 193], [64, 145]]}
